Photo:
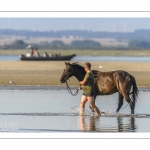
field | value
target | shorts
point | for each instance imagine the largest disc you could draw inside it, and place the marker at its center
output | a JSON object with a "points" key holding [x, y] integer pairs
{"points": [[88, 94]]}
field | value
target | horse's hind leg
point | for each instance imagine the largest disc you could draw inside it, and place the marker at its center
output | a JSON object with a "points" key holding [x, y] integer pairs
{"points": [[127, 98], [120, 102], [124, 88]]}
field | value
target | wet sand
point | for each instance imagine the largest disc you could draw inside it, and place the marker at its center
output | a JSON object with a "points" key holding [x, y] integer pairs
{"points": [[24, 73]]}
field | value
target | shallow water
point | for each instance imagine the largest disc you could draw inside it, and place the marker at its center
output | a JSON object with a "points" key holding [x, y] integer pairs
{"points": [[111, 58], [53, 109], [92, 58]]}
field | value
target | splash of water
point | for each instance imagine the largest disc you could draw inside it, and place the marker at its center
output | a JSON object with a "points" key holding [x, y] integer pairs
{"points": [[86, 112], [75, 112]]}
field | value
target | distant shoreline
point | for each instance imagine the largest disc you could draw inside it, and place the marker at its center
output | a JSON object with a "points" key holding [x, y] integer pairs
{"points": [[82, 52]]}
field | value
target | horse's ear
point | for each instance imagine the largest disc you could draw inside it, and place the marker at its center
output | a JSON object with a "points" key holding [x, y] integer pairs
{"points": [[69, 64]]}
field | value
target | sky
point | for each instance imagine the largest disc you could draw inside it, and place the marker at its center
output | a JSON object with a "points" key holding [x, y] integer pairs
{"points": [[62, 23], [93, 15]]}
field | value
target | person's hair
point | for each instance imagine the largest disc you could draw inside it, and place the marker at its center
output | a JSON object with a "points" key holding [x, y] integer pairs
{"points": [[88, 65]]}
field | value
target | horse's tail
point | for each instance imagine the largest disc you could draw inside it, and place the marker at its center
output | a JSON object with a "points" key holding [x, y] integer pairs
{"points": [[135, 90]]}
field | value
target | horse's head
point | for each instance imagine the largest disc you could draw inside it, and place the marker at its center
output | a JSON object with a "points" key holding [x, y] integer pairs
{"points": [[67, 73]]}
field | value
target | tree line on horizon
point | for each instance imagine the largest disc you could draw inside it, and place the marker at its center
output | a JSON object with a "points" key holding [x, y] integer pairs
{"points": [[75, 44], [139, 39], [56, 44]]}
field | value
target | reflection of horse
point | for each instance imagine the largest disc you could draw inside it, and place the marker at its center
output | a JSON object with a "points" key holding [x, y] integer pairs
{"points": [[106, 83], [126, 127], [92, 123]]}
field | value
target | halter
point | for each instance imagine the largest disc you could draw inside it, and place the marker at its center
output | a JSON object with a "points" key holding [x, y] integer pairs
{"points": [[69, 90]]}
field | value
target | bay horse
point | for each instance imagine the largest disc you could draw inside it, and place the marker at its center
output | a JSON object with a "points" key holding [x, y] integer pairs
{"points": [[106, 83]]}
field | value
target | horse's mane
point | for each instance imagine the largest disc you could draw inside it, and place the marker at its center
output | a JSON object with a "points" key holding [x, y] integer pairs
{"points": [[75, 64]]}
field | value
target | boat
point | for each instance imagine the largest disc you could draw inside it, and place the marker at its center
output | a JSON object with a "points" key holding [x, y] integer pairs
{"points": [[35, 56], [42, 58]]}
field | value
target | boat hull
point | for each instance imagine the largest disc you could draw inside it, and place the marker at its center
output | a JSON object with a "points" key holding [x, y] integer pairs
{"points": [[60, 58]]}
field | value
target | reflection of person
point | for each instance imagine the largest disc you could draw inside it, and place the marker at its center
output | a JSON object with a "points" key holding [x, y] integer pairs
{"points": [[89, 125], [88, 90]]}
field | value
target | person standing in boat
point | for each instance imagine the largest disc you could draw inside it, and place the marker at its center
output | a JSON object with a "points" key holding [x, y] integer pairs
{"points": [[36, 53], [32, 52], [88, 90]]}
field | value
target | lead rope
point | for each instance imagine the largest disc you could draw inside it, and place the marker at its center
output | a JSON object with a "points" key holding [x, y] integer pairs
{"points": [[69, 90]]}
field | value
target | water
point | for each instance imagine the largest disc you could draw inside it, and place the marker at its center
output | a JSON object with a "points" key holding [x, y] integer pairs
{"points": [[9, 57], [111, 58], [53, 109], [93, 58]]}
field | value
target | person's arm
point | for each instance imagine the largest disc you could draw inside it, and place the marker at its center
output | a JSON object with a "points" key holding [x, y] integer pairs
{"points": [[83, 82], [85, 79]]}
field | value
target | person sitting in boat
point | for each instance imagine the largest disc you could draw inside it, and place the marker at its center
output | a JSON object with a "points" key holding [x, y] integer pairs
{"points": [[59, 54], [51, 54], [56, 55], [45, 54]]}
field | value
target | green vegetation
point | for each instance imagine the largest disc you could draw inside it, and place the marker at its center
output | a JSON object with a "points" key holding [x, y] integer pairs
{"points": [[84, 47], [17, 44], [85, 44], [56, 44], [139, 44], [82, 52]]}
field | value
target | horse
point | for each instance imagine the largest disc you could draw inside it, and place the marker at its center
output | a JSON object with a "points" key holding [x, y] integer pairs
{"points": [[107, 83]]}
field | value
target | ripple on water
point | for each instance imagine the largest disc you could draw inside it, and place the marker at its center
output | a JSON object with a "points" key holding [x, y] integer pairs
{"points": [[75, 112]]}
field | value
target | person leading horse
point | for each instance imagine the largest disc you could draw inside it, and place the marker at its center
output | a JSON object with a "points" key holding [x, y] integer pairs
{"points": [[106, 83]]}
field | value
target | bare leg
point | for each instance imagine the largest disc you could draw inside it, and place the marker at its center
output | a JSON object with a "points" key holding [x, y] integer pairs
{"points": [[93, 102], [92, 105], [82, 104]]}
